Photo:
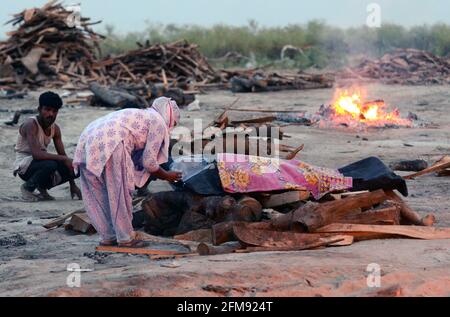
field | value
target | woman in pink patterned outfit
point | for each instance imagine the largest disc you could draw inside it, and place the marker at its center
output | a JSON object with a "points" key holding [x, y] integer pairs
{"points": [[107, 172]]}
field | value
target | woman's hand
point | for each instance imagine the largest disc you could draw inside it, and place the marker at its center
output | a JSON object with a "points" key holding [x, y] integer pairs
{"points": [[173, 177]]}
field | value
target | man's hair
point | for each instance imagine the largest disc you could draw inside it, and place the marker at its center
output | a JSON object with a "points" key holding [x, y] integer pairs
{"points": [[50, 99]]}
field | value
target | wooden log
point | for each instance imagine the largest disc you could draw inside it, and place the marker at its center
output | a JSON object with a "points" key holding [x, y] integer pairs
{"points": [[252, 211], [314, 216], [202, 235], [386, 216], [409, 215], [229, 247], [111, 97], [416, 232]]}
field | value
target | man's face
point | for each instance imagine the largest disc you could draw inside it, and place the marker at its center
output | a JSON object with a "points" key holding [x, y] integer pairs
{"points": [[48, 115]]}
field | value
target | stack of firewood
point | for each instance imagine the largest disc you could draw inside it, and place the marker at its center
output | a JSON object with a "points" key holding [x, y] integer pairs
{"points": [[404, 66], [257, 80], [47, 50], [349, 218], [175, 65]]}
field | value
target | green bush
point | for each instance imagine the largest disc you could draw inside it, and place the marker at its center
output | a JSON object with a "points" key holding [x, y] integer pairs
{"points": [[322, 45]]}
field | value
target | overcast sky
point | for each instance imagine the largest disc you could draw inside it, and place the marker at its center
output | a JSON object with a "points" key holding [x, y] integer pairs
{"points": [[131, 15]]}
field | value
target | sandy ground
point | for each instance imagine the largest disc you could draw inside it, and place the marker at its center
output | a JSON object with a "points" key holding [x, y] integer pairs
{"points": [[408, 267]]}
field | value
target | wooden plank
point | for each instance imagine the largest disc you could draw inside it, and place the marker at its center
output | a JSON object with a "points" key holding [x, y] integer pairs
{"points": [[268, 238], [308, 246], [137, 251], [424, 233]]}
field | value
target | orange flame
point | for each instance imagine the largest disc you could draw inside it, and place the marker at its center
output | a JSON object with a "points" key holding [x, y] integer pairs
{"points": [[351, 106]]}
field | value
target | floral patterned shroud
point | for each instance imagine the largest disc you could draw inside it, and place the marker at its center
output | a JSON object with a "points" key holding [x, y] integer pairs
{"points": [[247, 174]]}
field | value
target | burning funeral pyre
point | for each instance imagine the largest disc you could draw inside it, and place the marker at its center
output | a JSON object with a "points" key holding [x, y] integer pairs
{"points": [[349, 109]]}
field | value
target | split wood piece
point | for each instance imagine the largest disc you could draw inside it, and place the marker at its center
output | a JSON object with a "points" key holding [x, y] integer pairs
{"points": [[277, 200], [313, 216], [201, 235], [268, 239], [313, 245], [440, 165], [409, 215], [416, 232], [294, 153], [386, 216], [60, 220], [32, 59], [137, 251], [229, 247], [81, 223]]}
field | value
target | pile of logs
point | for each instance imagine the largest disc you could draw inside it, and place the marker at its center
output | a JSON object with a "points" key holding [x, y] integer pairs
{"points": [[351, 217], [256, 80], [47, 51], [404, 66], [175, 65]]}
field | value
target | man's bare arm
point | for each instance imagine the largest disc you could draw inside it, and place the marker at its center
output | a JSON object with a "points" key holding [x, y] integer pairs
{"points": [[30, 132], [57, 140], [59, 146]]}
